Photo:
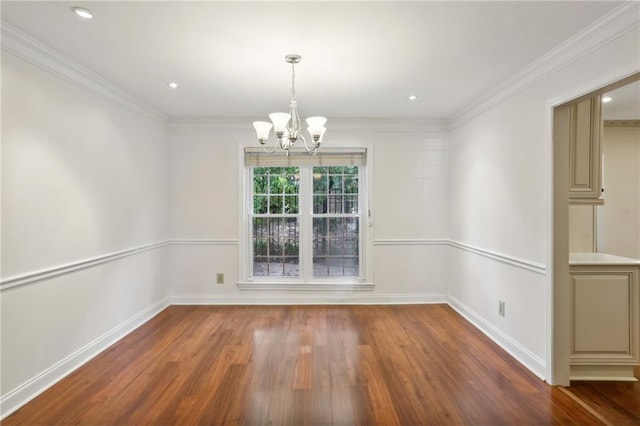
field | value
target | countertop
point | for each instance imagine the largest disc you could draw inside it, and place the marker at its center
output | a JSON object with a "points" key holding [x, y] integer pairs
{"points": [[600, 259]]}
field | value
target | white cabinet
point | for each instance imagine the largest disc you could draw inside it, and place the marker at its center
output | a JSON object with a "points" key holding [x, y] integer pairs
{"points": [[604, 321], [584, 134]]}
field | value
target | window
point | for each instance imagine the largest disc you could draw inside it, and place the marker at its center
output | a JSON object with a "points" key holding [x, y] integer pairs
{"points": [[276, 221], [336, 221], [305, 216]]}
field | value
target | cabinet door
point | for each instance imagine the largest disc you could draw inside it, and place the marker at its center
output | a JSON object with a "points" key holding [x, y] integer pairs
{"points": [[585, 169], [604, 316]]}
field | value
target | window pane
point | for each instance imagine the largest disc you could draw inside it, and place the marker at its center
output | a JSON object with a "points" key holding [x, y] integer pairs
{"points": [[351, 247], [351, 227], [334, 204], [320, 267], [276, 184], [291, 204], [336, 266], [320, 180], [260, 183], [320, 204], [351, 185], [275, 204], [260, 247], [351, 204], [276, 246], [335, 246], [292, 184], [335, 184], [351, 267], [260, 204]]}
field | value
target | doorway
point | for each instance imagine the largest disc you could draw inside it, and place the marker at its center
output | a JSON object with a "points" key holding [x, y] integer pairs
{"points": [[564, 153]]}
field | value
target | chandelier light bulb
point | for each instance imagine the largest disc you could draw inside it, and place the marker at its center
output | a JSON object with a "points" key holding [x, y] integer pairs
{"points": [[280, 120], [262, 129], [316, 122], [317, 133]]}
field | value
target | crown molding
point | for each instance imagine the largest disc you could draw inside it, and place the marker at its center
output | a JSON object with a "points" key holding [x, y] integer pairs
{"points": [[376, 125], [611, 26], [39, 54]]}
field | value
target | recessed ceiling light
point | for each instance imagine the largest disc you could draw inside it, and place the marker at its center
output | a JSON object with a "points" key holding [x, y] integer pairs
{"points": [[82, 12], [172, 85], [412, 97], [607, 99]]}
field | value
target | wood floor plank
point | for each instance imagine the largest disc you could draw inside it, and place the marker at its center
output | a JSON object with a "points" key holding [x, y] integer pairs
{"points": [[314, 365]]}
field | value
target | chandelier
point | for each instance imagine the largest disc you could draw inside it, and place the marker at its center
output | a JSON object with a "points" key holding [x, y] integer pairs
{"points": [[287, 126]]}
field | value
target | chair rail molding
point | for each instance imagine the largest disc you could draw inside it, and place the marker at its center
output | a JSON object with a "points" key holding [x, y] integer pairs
{"points": [[67, 268], [510, 260], [411, 242]]}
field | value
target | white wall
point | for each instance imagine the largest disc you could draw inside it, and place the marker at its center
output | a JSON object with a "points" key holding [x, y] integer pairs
{"points": [[81, 178], [582, 228], [500, 199], [619, 217], [409, 210]]}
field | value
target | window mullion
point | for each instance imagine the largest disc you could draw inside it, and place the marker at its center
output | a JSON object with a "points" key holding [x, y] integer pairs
{"points": [[306, 237], [363, 210]]}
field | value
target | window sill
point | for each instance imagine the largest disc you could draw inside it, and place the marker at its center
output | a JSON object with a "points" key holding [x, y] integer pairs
{"points": [[284, 286]]}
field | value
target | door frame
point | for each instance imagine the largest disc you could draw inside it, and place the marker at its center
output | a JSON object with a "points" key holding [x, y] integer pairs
{"points": [[558, 227]]}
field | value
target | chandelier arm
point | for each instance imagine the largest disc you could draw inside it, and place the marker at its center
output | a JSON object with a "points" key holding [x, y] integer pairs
{"points": [[264, 148], [312, 151]]}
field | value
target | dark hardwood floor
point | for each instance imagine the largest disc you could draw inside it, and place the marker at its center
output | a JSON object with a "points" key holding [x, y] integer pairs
{"points": [[311, 365], [617, 402]]}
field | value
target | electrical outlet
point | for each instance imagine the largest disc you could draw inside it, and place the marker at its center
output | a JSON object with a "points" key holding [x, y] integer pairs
{"points": [[219, 278], [501, 308]]}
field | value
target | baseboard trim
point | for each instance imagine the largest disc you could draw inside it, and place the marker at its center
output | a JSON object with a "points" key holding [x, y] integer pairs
{"points": [[308, 299], [532, 362], [24, 393], [615, 373]]}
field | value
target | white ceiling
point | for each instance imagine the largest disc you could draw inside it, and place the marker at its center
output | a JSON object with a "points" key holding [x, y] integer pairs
{"points": [[360, 59], [625, 103]]}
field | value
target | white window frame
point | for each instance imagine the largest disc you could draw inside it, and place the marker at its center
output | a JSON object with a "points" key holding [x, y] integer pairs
{"points": [[306, 280]]}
